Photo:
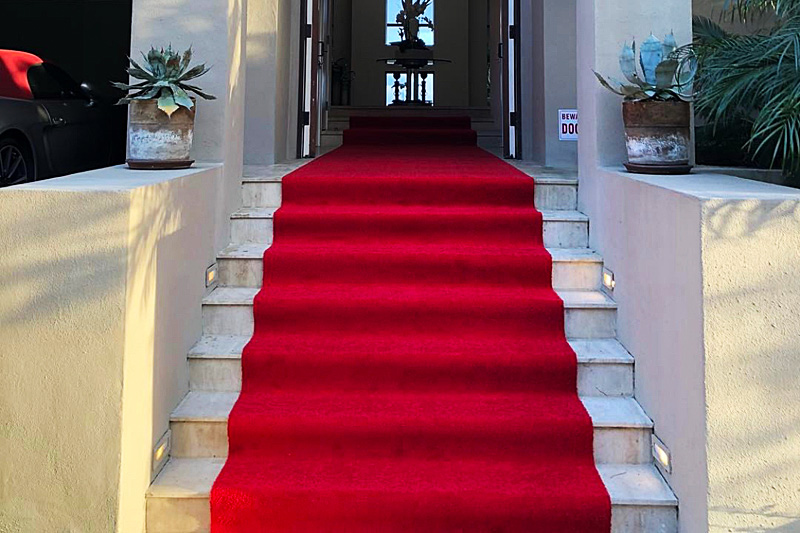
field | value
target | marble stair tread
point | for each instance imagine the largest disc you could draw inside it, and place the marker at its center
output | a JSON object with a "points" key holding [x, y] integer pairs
{"points": [[256, 251], [548, 215], [572, 299], [628, 485], [606, 412], [271, 173], [596, 351]]}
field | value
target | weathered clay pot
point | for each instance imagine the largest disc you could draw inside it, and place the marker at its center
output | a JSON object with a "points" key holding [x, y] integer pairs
{"points": [[157, 141], [658, 136]]}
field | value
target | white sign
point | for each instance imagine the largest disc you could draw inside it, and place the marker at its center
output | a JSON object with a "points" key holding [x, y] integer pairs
{"points": [[567, 124]]}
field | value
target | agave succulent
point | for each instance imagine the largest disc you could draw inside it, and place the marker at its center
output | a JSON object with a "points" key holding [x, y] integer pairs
{"points": [[666, 74], [164, 76]]}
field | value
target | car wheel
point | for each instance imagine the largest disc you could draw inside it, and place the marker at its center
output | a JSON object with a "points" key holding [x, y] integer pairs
{"points": [[16, 163]]}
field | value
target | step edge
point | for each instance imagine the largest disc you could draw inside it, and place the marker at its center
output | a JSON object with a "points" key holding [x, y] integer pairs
{"points": [[243, 296], [620, 355], [158, 491], [548, 215], [255, 251], [193, 409]]}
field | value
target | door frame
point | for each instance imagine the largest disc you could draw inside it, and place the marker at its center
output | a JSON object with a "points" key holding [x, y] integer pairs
{"points": [[511, 79]]}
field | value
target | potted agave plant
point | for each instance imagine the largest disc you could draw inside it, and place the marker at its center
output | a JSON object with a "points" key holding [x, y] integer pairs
{"points": [[161, 117], [656, 108]]}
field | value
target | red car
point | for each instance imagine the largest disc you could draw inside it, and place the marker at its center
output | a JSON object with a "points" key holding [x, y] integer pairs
{"points": [[49, 124]]}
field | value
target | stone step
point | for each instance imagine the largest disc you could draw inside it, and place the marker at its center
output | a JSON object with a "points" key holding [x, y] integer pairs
{"points": [[605, 368], [588, 314], [562, 229], [622, 431], [178, 500], [553, 193], [242, 265]]}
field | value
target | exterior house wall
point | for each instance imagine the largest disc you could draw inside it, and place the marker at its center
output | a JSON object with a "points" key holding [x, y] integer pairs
{"points": [[271, 80], [108, 277], [549, 79]]}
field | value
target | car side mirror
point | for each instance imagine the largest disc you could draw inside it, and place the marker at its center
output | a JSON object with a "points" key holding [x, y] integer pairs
{"points": [[90, 93]]}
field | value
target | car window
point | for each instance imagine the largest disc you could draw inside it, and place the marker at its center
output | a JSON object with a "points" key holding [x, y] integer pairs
{"points": [[48, 82]]}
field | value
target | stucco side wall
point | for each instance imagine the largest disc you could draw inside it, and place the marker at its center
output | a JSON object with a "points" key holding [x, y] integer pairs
{"points": [[61, 342], [705, 267], [751, 253], [102, 301], [651, 240]]}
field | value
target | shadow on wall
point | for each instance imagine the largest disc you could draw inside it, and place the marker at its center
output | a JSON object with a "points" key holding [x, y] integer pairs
{"points": [[100, 285], [751, 256]]}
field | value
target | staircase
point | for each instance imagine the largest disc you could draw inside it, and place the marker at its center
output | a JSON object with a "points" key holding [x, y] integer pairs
{"points": [[490, 137], [178, 502]]}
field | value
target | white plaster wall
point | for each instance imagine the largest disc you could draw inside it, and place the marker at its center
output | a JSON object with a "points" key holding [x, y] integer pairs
{"points": [[708, 292], [101, 304], [650, 238], [751, 253], [271, 82], [261, 85], [61, 337]]}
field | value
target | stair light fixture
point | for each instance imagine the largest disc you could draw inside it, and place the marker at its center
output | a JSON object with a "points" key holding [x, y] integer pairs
{"points": [[608, 280], [161, 453], [662, 455], [212, 273]]}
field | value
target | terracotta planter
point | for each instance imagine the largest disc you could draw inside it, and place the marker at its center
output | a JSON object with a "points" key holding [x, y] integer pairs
{"points": [[658, 136], [157, 141]]}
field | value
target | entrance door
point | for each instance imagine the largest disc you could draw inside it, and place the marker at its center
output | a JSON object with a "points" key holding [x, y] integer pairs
{"points": [[314, 74], [509, 24]]}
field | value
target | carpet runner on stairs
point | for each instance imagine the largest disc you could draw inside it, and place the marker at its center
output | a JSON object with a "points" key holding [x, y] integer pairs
{"points": [[409, 369]]}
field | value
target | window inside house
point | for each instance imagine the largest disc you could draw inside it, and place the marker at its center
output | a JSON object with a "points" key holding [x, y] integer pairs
{"points": [[424, 88], [393, 7]]}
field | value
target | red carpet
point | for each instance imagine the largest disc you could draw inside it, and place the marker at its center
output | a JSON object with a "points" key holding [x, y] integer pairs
{"points": [[409, 370]]}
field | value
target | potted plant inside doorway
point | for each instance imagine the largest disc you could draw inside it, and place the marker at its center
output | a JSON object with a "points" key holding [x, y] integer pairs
{"points": [[656, 109], [161, 116]]}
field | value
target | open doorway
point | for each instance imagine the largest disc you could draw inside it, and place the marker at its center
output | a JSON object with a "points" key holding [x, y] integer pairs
{"points": [[348, 68]]}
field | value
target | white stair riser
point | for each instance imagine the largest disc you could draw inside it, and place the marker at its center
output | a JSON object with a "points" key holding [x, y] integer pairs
{"points": [[642, 519], [556, 197], [192, 515], [567, 275], [178, 515], [557, 233], [580, 323], [546, 196], [261, 194], [202, 438], [594, 379]]}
